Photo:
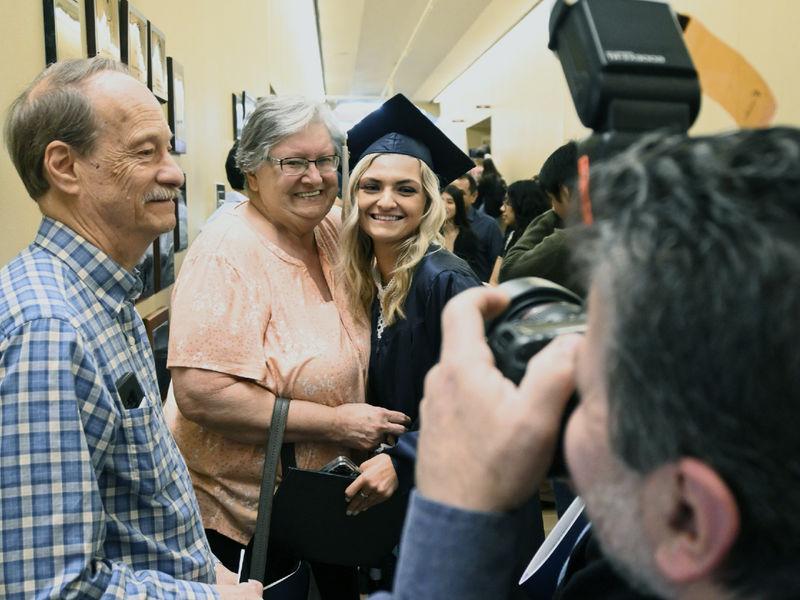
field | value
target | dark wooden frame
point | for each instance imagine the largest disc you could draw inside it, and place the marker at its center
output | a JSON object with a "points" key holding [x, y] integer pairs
{"points": [[92, 48], [176, 105], [128, 12], [51, 33], [152, 322], [161, 93], [155, 319], [238, 115], [248, 105], [181, 225]]}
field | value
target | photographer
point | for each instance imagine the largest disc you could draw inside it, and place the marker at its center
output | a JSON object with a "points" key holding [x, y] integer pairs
{"points": [[684, 444]]}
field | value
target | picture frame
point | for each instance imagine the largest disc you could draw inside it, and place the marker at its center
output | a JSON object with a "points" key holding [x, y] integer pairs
{"points": [[176, 92], [181, 231], [156, 324], [248, 106], [133, 40], [63, 32], [219, 191], [102, 28], [146, 271], [165, 265], [157, 62], [238, 116]]}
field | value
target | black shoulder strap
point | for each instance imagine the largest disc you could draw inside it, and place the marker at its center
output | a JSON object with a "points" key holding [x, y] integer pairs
{"points": [[258, 562]]}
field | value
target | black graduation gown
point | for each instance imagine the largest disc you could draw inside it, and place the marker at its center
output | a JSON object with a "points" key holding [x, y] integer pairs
{"points": [[408, 348]]}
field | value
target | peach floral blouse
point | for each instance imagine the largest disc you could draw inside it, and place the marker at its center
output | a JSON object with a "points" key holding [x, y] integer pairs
{"points": [[243, 306]]}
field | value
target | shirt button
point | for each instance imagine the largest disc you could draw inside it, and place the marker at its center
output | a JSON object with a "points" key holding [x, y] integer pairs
{"points": [[131, 340]]}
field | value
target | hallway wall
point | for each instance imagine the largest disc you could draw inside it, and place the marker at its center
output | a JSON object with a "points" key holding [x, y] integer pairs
{"points": [[223, 47], [531, 108]]}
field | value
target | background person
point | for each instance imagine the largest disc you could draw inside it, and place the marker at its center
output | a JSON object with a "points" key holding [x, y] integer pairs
{"points": [[684, 445], [525, 200], [491, 189], [542, 250], [484, 226], [458, 235], [257, 314], [95, 496]]}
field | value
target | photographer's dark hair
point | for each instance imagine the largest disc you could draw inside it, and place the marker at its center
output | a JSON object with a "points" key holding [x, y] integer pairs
{"points": [[696, 252], [528, 201], [560, 168]]}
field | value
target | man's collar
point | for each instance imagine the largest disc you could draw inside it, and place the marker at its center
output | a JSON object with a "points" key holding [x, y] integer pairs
{"points": [[112, 283]]}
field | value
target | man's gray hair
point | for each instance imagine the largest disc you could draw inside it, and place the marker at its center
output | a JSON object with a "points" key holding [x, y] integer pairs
{"points": [[274, 119], [53, 107]]}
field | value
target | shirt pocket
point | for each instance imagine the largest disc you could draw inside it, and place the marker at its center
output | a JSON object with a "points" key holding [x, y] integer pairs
{"points": [[146, 450]]}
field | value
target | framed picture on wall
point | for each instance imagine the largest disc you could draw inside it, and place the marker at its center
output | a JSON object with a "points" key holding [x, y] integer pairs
{"points": [[102, 28], [133, 40], [63, 36], [156, 324], [165, 266], [238, 116], [248, 105], [157, 62], [219, 192], [181, 230], [146, 269], [176, 108]]}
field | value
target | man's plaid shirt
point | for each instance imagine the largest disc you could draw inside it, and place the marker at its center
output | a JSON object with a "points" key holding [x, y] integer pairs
{"points": [[95, 499]]}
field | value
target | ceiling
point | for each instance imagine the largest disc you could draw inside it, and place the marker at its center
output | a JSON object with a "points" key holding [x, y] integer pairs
{"points": [[372, 49]]}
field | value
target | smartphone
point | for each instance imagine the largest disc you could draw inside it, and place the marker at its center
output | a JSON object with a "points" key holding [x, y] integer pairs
{"points": [[341, 465]]}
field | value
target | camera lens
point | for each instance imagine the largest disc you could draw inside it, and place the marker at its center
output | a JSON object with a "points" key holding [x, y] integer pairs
{"points": [[539, 311]]}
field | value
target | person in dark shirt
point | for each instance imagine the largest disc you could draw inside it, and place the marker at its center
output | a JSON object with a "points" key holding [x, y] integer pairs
{"points": [[458, 235], [542, 250], [491, 189], [484, 226]]}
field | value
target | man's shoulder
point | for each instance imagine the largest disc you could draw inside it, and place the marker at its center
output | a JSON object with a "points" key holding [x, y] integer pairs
{"points": [[32, 287]]}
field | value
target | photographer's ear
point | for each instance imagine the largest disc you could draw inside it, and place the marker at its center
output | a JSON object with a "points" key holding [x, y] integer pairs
{"points": [[59, 167], [695, 522]]}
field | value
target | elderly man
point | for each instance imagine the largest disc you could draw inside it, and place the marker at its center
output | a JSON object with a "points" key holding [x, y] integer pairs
{"points": [[95, 499], [684, 446]]}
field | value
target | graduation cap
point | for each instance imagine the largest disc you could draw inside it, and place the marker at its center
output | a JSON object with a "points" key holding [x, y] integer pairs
{"points": [[399, 127]]}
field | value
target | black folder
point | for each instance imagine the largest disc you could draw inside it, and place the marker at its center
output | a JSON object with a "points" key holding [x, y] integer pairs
{"points": [[309, 519]]}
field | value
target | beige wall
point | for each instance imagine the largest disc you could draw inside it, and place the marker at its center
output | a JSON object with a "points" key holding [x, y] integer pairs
{"points": [[224, 47], [532, 111]]}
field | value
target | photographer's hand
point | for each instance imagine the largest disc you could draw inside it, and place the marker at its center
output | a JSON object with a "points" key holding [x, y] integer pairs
{"points": [[485, 444]]}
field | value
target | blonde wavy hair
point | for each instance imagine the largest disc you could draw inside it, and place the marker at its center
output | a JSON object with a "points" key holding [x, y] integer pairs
{"points": [[356, 256]]}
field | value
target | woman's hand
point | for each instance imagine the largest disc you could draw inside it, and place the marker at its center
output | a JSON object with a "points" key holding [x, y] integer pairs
{"points": [[363, 426], [376, 484]]}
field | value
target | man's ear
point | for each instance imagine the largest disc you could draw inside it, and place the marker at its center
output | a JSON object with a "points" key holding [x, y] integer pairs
{"points": [[58, 167], [252, 181], [701, 522]]}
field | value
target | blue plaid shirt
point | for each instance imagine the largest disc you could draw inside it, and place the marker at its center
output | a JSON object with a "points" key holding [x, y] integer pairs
{"points": [[95, 499]]}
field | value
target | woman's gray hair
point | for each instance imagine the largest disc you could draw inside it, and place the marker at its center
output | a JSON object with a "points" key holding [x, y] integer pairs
{"points": [[274, 119], [53, 107]]}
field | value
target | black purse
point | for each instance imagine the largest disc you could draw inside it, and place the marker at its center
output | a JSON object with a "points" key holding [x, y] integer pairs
{"points": [[311, 520], [308, 514]]}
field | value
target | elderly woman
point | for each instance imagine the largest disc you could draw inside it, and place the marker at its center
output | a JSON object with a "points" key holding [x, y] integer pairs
{"points": [[396, 271], [257, 314]]}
